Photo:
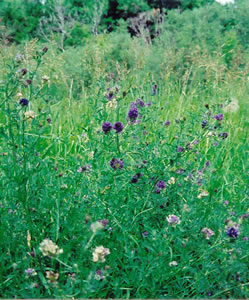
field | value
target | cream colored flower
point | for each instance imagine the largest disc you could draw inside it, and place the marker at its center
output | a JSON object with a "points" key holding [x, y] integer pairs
{"points": [[29, 115], [173, 263], [97, 226], [232, 106], [99, 254], [52, 276], [112, 104], [172, 180], [49, 248], [207, 233], [203, 194]]}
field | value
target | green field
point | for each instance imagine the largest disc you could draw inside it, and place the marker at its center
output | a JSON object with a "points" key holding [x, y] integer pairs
{"points": [[156, 208]]}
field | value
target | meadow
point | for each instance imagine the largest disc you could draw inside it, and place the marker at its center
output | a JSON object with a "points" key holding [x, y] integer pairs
{"points": [[124, 162]]}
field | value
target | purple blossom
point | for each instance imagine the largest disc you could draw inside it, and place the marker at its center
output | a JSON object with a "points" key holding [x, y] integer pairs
{"points": [[133, 113], [196, 142], [219, 117], [149, 103], [140, 102], [116, 163], [134, 179], [118, 126], [233, 232], [145, 234], [204, 123], [223, 135], [180, 149], [154, 90], [167, 123], [161, 184], [106, 127], [104, 222], [157, 191], [23, 102], [207, 163]]}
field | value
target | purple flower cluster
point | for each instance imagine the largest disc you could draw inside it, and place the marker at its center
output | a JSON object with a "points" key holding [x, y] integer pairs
{"points": [[233, 232], [161, 185], [133, 113], [107, 127], [23, 102], [135, 178], [118, 126], [219, 117], [116, 163]]}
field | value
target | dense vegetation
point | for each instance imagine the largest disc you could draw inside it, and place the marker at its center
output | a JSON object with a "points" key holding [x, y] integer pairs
{"points": [[124, 149]]}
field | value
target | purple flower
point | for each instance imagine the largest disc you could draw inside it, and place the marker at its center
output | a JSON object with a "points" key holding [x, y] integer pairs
{"points": [[167, 123], [180, 149], [161, 184], [116, 163], [219, 117], [145, 233], [106, 127], [207, 163], [134, 179], [245, 238], [149, 104], [196, 142], [233, 232], [223, 135], [157, 191], [118, 126], [133, 113], [154, 90], [23, 71], [104, 222], [226, 202], [204, 123], [140, 102], [23, 102]]}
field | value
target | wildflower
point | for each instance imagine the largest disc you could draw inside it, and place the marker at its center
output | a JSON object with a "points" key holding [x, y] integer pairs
{"points": [[226, 202], [207, 232], [219, 117], [23, 102], [167, 123], [173, 220], [45, 78], [171, 180], [22, 71], [118, 126], [99, 275], [52, 276], [145, 234], [97, 226], [134, 179], [203, 194], [157, 191], [112, 104], [224, 2], [245, 238], [233, 232], [104, 222], [30, 272], [223, 135], [140, 102], [106, 127], [180, 149], [133, 113], [173, 263], [204, 123], [116, 163], [100, 253], [49, 248], [19, 58], [154, 90], [29, 115], [161, 184]]}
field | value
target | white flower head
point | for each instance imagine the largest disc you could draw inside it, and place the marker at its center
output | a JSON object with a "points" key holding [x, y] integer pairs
{"points": [[173, 220], [49, 248], [203, 194], [173, 263], [224, 2], [97, 226], [100, 253], [207, 233]]}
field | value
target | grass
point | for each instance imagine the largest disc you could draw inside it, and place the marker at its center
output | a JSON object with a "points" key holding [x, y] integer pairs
{"points": [[57, 181]]}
